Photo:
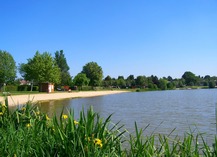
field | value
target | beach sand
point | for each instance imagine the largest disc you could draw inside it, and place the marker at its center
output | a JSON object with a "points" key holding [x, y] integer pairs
{"points": [[22, 99]]}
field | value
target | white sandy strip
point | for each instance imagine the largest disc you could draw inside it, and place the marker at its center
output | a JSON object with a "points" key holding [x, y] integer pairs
{"points": [[22, 99]]}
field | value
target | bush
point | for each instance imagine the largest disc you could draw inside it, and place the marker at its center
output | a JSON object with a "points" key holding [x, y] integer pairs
{"points": [[22, 87], [86, 88], [34, 88], [27, 88], [10, 88]]}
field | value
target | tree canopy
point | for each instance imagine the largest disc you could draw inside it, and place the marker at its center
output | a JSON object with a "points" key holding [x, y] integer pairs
{"points": [[94, 72], [7, 67], [60, 59], [190, 78], [81, 80], [41, 68]]}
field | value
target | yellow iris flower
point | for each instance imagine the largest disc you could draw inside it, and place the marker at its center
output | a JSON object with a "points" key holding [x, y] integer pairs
{"points": [[75, 122], [98, 142], [64, 116]]}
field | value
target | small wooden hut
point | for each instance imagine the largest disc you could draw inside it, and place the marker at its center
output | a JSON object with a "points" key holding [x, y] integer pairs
{"points": [[46, 87]]}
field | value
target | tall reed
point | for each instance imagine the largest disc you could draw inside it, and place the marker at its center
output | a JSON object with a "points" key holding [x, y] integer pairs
{"points": [[28, 132]]}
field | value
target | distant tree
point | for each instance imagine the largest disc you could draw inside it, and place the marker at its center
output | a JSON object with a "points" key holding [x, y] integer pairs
{"points": [[114, 82], [212, 84], [107, 82], [155, 80], [130, 81], [121, 82], [130, 77], [81, 80], [190, 78], [169, 78], [179, 83], [94, 72], [163, 84], [141, 81], [171, 85], [60, 59], [41, 68], [207, 77], [7, 68], [121, 77]]}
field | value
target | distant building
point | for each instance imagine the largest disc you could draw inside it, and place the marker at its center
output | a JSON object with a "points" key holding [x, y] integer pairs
{"points": [[46, 87], [24, 82]]}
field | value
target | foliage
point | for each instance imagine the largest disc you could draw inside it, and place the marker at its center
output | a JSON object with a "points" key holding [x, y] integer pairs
{"points": [[141, 81], [60, 59], [121, 82], [130, 81], [212, 84], [29, 132], [163, 84], [107, 82], [41, 68], [81, 80], [94, 72], [190, 78], [7, 68]]}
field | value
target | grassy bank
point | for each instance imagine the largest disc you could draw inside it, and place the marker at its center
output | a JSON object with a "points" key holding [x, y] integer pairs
{"points": [[28, 132]]}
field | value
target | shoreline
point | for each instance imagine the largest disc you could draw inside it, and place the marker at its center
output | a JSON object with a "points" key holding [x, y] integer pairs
{"points": [[22, 99]]}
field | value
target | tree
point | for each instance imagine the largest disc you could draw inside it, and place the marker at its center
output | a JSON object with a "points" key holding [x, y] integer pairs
{"points": [[121, 82], [41, 68], [155, 80], [107, 82], [94, 72], [7, 68], [190, 78], [130, 81], [169, 78], [163, 84], [81, 80], [212, 84], [141, 81], [60, 59]]}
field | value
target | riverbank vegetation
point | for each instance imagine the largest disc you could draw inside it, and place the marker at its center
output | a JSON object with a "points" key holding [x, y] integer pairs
{"points": [[29, 132], [42, 67]]}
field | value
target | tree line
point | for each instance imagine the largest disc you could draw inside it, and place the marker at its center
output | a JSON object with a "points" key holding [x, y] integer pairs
{"points": [[43, 67]]}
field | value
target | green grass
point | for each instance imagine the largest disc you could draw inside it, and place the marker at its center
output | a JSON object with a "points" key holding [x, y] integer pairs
{"points": [[28, 132]]}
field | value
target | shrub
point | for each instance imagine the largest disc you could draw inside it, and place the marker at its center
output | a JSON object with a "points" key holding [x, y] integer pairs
{"points": [[10, 88], [22, 87]]}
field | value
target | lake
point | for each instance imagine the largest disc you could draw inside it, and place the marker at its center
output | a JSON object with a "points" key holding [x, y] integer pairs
{"points": [[163, 111]]}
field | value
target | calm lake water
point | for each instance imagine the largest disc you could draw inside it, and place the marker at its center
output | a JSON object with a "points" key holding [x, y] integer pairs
{"points": [[163, 111]]}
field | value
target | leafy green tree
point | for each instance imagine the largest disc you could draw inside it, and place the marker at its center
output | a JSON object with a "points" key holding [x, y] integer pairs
{"points": [[121, 77], [130, 81], [7, 68], [190, 78], [107, 82], [81, 80], [94, 72], [169, 78], [141, 81], [41, 68], [163, 84], [155, 80], [171, 85], [60, 59], [121, 82], [212, 84]]}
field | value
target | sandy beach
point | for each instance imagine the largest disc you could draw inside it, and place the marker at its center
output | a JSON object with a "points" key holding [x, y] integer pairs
{"points": [[22, 99]]}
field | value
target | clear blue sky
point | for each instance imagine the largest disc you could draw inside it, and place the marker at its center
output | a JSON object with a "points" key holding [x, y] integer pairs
{"points": [[138, 37]]}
